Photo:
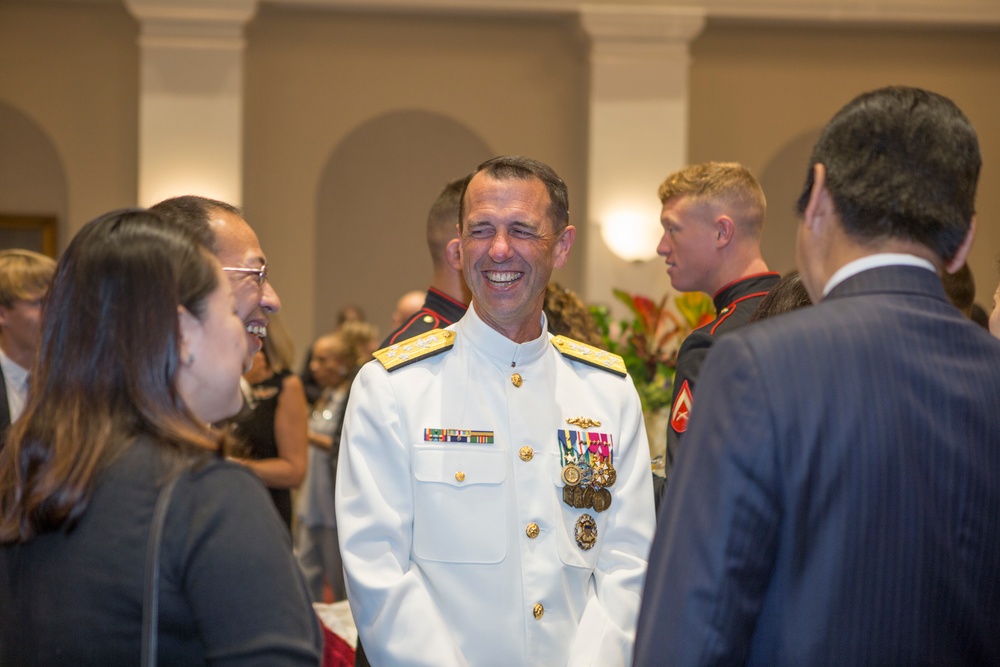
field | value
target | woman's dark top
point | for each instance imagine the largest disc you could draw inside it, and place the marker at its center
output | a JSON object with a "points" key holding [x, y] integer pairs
{"points": [[230, 589], [255, 429]]}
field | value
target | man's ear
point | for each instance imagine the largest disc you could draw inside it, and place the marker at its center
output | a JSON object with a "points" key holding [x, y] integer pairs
{"points": [[956, 262], [725, 231], [453, 254], [820, 206], [563, 244]]}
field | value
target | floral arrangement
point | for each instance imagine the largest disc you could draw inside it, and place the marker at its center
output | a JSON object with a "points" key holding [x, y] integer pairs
{"points": [[649, 341]]}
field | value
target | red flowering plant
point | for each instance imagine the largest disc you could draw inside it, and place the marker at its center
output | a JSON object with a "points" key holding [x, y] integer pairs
{"points": [[650, 340]]}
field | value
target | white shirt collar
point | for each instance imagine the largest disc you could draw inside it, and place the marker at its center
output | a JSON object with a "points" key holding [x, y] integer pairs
{"points": [[872, 262], [495, 345], [15, 379], [13, 372]]}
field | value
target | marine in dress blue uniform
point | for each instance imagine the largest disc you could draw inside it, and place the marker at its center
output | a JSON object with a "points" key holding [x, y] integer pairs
{"points": [[734, 304]]}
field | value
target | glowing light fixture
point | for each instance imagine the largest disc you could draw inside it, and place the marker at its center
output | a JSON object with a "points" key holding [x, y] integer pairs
{"points": [[632, 234]]}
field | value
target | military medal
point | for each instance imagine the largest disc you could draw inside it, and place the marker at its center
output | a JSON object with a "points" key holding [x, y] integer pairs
{"points": [[586, 532], [587, 466], [602, 474], [602, 500], [571, 474]]}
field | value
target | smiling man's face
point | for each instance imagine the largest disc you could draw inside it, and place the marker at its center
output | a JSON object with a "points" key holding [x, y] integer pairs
{"points": [[509, 247], [236, 246]]}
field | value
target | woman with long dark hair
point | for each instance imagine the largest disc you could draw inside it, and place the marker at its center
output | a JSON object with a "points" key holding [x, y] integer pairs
{"points": [[141, 350]]}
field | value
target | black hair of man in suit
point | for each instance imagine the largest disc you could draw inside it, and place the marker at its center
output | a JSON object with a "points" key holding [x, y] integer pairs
{"points": [[900, 163]]}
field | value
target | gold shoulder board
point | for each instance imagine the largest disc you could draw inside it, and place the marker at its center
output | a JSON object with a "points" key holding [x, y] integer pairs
{"points": [[590, 355], [414, 349]]}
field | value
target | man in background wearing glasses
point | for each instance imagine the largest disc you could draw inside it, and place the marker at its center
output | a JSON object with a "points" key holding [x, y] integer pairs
{"points": [[223, 230]]}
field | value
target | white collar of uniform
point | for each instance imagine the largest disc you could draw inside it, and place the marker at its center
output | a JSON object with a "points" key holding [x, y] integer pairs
{"points": [[873, 262], [495, 345], [14, 374]]}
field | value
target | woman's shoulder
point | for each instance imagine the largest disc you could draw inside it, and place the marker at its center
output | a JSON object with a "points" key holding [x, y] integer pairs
{"points": [[204, 470], [216, 493]]}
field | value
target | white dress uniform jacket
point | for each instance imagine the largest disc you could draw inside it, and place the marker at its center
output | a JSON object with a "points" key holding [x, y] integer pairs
{"points": [[441, 564]]}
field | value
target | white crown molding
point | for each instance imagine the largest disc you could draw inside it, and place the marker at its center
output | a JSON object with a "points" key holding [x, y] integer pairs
{"points": [[640, 33], [929, 13], [204, 24]]}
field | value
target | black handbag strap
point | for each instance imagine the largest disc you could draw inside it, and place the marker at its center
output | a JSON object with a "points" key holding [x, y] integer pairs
{"points": [[151, 591]]}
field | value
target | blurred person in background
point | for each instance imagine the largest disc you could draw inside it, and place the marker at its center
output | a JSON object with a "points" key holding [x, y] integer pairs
{"points": [[349, 313], [567, 315], [335, 361], [960, 288], [25, 277], [273, 426], [407, 306], [448, 296], [788, 295]]}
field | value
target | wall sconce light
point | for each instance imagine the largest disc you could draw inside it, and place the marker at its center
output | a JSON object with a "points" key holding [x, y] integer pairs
{"points": [[632, 234]]}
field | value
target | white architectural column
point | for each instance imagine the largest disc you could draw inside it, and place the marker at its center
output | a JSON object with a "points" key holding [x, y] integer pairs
{"points": [[639, 61], [191, 97]]}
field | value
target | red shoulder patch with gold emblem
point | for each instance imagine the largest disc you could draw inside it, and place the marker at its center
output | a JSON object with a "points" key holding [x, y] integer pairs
{"points": [[681, 410]]}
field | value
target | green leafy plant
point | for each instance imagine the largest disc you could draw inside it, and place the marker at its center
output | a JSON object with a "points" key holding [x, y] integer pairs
{"points": [[649, 341]]}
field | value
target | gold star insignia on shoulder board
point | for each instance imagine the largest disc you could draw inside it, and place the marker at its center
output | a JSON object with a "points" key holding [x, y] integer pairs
{"points": [[414, 349], [590, 355]]}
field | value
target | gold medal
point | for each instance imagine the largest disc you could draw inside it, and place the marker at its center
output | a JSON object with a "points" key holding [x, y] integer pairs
{"points": [[612, 475], [588, 498], [568, 495], [586, 532], [571, 474], [602, 500], [600, 477], [578, 497]]}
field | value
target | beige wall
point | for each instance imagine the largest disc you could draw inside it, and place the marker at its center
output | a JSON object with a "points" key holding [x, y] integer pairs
{"points": [[313, 77], [759, 94], [71, 68]]}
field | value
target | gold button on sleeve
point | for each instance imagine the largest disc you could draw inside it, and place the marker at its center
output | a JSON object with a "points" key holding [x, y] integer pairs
{"points": [[538, 610], [526, 453], [460, 476]]}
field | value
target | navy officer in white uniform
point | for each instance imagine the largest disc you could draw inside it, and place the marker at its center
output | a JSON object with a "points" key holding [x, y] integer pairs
{"points": [[493, 493]]}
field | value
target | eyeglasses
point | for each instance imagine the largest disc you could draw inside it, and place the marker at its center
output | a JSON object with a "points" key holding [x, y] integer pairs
{"points": [[261, 273]]}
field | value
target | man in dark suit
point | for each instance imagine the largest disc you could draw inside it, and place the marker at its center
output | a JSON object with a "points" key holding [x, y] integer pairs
{"points": [[25, 277], [842, 503]]}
